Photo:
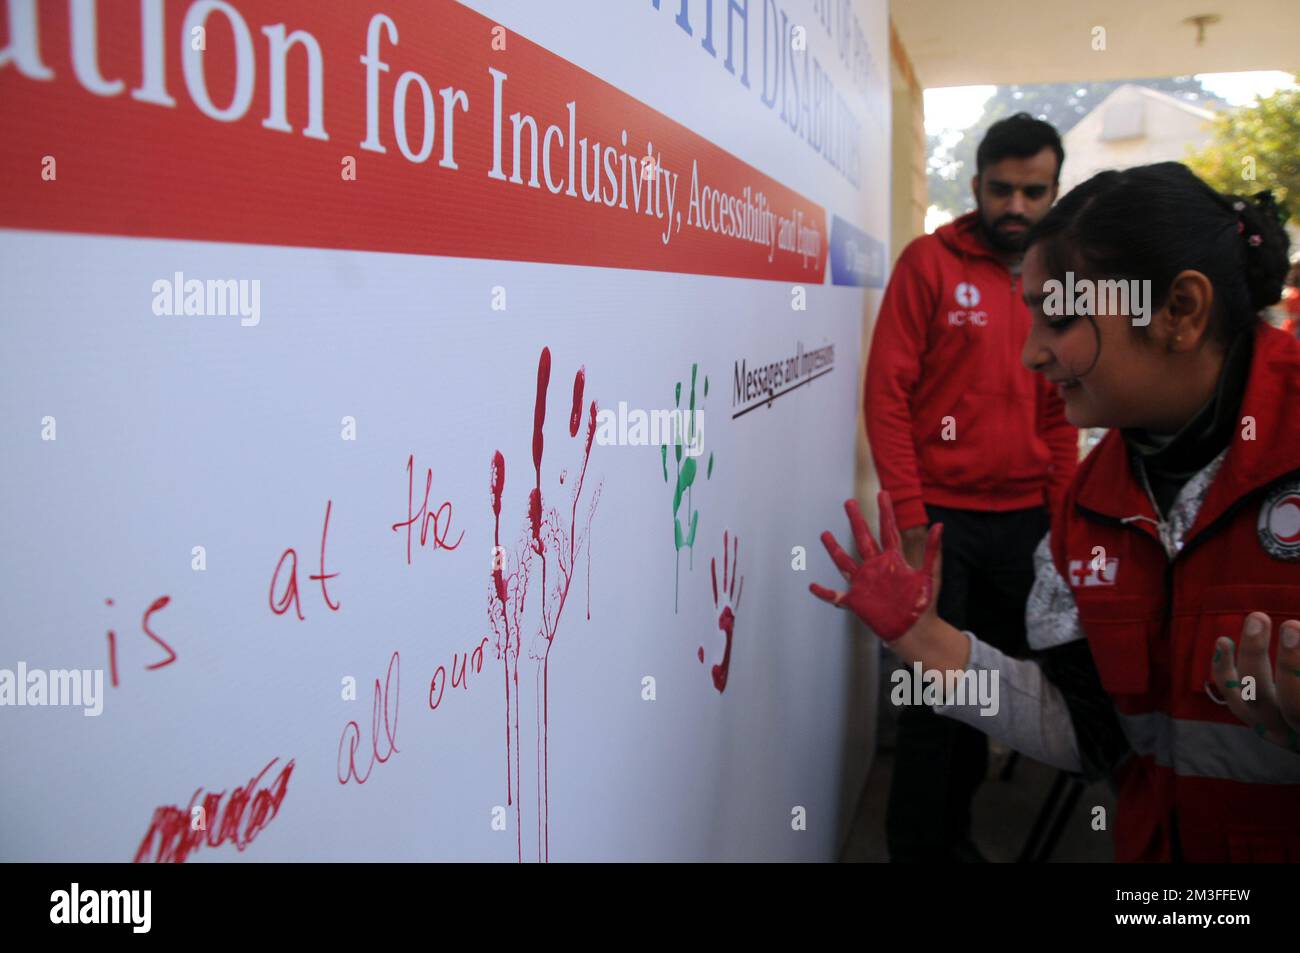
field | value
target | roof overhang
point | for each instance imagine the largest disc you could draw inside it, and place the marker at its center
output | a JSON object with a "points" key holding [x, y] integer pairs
{"points": [[965, 43]]}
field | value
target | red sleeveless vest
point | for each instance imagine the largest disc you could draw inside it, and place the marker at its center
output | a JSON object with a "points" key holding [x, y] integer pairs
{"points": [[1200, 785]]}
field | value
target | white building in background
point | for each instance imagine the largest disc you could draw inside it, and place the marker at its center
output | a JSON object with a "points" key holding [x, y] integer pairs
{"points": [[1133, 126]]}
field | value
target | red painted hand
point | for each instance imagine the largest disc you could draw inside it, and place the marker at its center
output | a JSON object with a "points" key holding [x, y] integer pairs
{"points": [[884, 591]]}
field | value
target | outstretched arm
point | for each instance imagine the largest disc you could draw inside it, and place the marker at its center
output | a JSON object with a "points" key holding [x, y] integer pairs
{"points": [[898, 603]]}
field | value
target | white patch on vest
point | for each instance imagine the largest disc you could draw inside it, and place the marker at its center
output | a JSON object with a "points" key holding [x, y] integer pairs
{"points": [[1083, 573], [1279, 522]]}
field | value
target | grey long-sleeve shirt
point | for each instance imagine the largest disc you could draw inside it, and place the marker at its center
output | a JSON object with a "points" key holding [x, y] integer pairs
{"points": [[1032, 715]]}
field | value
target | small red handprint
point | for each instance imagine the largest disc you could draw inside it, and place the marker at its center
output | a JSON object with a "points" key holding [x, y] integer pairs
{"points": [[884, 591], [728, 601]]}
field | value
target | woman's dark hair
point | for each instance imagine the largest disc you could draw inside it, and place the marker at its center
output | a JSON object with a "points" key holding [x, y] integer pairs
{"points": [[1151, 222], [1019, 136]]}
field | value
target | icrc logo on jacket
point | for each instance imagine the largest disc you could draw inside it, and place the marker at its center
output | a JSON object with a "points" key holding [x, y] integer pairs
{"points": [[967, 295], [1085, 573], [1279, 522]]}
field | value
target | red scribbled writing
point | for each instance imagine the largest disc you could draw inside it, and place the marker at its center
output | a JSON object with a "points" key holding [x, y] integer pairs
{"points": [[352, 731], [112, 656], [156, 606], [177, 832], [424, 517], [159, 603], [439, 682], [290, 595]]}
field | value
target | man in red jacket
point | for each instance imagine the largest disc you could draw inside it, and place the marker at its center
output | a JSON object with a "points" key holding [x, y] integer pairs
{"points": [[963, 434]]}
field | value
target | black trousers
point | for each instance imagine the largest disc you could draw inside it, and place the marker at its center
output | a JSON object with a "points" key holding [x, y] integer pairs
{"points": [[939, 763]]}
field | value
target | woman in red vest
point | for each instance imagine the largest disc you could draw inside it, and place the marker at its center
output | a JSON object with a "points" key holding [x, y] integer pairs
{"points": [[1166, 605]]}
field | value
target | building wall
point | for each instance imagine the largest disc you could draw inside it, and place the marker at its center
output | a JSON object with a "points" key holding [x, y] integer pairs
{"points": [[909, 196], [908, 201], [1168, 133], [909, 192]]}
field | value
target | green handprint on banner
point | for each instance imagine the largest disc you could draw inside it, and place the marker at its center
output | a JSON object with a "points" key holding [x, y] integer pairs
{"points": [[686, 433]]}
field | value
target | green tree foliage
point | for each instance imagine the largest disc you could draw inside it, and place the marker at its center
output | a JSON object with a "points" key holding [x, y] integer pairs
{"points": [[1256, 147], [952, 153]]}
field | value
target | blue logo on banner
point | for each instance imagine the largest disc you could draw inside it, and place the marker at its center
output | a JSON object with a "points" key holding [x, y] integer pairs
{"points": [[856, 258]]}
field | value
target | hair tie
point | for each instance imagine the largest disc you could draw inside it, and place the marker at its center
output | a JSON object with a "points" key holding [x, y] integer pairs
{"points": [[1254, 239]]}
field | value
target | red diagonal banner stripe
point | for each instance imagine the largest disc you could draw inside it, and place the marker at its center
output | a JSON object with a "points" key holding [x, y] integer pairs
{"points": [[114, 124]]}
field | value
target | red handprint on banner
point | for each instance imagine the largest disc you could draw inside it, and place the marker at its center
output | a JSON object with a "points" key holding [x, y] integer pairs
{"points": [[728, 601], [555, 539]]}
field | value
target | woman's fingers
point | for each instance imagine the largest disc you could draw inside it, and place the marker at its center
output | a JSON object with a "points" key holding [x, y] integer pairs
{"points": [[828, 595], [1287, 682], [861, 535], [1256, 672], [1228, 681], [1245, 684], [889, 538], [843, 562]]}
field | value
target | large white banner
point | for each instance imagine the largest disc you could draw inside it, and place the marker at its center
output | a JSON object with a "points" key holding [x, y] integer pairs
{"points": [[386, 481]]}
